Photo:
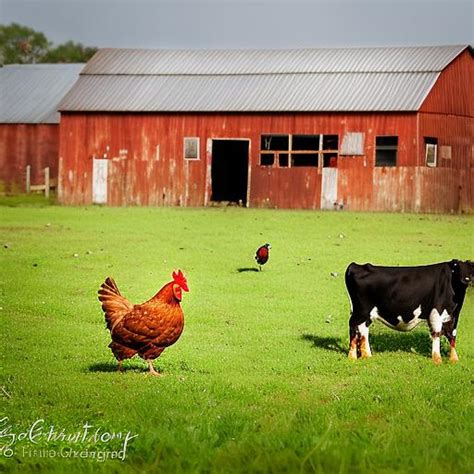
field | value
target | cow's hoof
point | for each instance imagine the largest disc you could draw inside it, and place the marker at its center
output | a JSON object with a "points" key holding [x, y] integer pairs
{"points": [[437, 359], [365, 355], [453, 356], [353, 354]]}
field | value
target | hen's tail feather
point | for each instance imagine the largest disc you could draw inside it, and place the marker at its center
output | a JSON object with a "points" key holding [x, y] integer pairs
{"points": [[114, 305]]}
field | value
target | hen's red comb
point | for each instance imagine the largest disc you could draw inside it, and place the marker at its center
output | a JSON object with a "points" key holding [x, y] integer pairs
{"points": [[180, 280]]}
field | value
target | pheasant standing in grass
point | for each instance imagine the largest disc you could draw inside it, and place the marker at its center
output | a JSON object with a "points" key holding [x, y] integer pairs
{"points": [[262, 255]]}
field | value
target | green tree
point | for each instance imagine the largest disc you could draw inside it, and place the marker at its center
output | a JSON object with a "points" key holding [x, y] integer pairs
{"points": [[21, 45], [69, 52]]}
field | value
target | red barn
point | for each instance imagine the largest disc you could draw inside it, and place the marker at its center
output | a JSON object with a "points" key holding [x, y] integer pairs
{"points": [[358, 128], [29, 120]]}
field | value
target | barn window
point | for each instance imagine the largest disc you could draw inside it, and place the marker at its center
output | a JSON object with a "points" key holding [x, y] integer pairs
{"points": [[191, 148], [353, 144], [274, 147], [307, 148], [298, 150], [431, 151], [330, 150], [386, 151]]}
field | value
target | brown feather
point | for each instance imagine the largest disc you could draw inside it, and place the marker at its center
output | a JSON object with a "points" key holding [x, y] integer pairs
{"points": [[114, 305]]}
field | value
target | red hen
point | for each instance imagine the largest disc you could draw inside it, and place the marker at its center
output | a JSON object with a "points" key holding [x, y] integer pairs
{"points": [[145, 329]]}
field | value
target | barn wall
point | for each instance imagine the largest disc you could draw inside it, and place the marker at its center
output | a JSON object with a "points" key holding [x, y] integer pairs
{"points": [[453, 93], [454, 131], [36, 145], [407, 189], [137, 175], [141, 175]]}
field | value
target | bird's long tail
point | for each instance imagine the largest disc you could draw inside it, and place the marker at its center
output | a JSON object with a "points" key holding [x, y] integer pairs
{"points": [[114, 305]]}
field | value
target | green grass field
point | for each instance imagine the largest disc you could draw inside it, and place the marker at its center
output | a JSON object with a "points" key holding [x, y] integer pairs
{"points": [[259, 381]]}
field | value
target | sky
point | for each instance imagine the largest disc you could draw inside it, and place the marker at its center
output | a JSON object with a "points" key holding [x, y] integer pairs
{"points": [[246, 23]]}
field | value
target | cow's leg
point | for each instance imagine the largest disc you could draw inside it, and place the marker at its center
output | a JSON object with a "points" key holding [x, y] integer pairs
{"points": [[453, 355], [363, 330], [353, 339], [435, 323], [449, 330]]}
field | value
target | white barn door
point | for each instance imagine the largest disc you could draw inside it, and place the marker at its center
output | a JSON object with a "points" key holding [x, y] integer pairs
{"points": [[99, 180], [329, 188]]}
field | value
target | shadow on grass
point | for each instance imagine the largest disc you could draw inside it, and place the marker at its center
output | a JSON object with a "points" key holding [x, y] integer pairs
{"points": [[112, 367], [328, 343], [414, 342], [129, 366], [250, 269]]}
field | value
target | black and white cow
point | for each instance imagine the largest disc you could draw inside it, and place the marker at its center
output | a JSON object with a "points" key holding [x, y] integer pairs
{"points": [[402, 297]]}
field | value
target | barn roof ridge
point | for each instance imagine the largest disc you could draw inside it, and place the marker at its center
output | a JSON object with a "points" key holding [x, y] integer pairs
{"points": [[239, 61]]}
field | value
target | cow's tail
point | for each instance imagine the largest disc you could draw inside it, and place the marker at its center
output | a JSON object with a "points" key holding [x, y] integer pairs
{"points": [[349, 279]]}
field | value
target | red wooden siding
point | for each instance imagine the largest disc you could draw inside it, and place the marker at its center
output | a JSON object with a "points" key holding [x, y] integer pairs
{"points": [[25, 144], [450, 130], [298, 188], [453, 92], [129, 141], [407, 189]]}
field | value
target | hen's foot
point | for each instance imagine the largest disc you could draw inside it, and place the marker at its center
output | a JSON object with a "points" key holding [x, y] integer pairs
{"points": [[152, 370]]}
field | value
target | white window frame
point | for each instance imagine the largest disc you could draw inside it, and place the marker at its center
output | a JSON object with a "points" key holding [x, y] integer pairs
{"points": [[431, 155], [186, 149]]}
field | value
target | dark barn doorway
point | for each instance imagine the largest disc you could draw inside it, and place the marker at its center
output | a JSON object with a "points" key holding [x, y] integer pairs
{"points": [[229, 174]]}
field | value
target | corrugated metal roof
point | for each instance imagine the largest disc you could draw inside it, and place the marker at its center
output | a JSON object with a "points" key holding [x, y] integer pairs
{"points": [[261, 93], [286, 61], [30, 93], [346, 79]]}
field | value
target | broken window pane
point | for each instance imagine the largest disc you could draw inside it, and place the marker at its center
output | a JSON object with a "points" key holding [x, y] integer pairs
{"points": [[274, 142]]}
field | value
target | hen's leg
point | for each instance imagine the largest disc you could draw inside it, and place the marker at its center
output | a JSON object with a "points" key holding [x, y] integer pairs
{"points": [[149, 354], [121, 352], [152, 371]]}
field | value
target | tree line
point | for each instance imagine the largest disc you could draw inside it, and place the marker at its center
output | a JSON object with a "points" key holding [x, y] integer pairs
{"points": [[23, 45]]}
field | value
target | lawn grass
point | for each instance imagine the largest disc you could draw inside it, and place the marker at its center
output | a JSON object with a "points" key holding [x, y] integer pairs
{"points": [[260, 380]]}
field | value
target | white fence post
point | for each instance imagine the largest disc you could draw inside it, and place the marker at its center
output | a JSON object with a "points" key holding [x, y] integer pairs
{"points": [[28, 178], [46, 182]]}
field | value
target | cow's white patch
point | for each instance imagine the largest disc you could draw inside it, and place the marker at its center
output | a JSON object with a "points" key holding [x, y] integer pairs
{"points": [[436, 349], [417, 312], [401, 325], [436, 320], [445, 317], [374, 313], [455, 331], [364, 332]]}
